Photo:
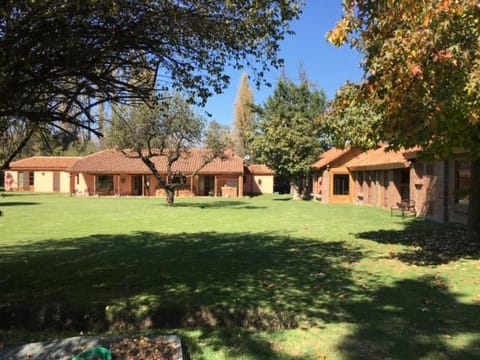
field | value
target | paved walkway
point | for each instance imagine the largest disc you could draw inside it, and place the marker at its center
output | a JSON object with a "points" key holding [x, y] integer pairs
{"points": [[63, 349]]}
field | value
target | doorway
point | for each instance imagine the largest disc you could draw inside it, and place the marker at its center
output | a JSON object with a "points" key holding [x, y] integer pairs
{"points": [[137, 185], [56, 181], [206, 185], [340, 188]]}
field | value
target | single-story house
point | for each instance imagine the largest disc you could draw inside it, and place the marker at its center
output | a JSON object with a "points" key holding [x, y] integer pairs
{"points": [[332, 182], [258, 179], [40, 174], [383, 178], [111, 172]]}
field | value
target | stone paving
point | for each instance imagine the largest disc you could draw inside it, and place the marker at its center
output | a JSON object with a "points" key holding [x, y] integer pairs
{"points": [[64, 349]]}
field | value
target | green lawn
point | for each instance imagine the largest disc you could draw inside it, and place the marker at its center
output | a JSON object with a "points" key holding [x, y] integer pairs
{"points": [[253, 278]]}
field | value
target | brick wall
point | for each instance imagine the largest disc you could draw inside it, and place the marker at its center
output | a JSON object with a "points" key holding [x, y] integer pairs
{"points": [[433, 189]]}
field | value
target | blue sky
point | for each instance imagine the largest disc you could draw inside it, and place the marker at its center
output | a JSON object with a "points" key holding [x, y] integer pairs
{"points": [[327, 66]]}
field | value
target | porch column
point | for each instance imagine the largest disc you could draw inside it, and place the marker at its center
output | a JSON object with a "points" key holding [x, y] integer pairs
{"points": [[94, 184], [118, 186], [191, 186], [240, 185], [72, 184], [215, 184]]}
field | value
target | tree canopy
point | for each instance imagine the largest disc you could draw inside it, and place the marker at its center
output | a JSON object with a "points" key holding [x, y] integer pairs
{"points": [[165, 127], [351, 121], [288, 131], [422, 66], [422, 74], [61, 59]]}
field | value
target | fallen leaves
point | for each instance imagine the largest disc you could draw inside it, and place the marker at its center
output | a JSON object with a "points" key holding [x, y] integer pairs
{"points": [[415, 70], [143, 348], [433, 248]]}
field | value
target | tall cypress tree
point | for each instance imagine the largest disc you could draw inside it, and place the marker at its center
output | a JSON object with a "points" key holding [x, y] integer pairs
{"points": [[244, 119]]}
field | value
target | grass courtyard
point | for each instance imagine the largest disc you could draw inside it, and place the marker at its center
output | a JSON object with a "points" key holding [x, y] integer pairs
{"points": [[250, 278]]}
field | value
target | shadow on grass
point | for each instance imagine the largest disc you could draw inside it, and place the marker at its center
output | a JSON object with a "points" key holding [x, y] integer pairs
{"points": [[412, 319], [148, 280], [17, 203], [228, 286], [237, 342], [237, 204], [429, 243]]}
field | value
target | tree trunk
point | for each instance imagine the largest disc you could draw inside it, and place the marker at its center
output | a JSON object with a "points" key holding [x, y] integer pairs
{"points": [[299, 189], [295, 189], [170, 195], [474, 199]]}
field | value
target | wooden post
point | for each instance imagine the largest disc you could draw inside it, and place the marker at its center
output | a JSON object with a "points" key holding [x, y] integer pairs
{"points": [[240, 185]]}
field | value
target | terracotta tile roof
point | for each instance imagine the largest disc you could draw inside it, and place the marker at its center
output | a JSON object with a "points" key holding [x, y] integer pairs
{"points": [[108, 161], [46, 163], [328, 156], [413, 152], [232, 164], [259, 169], [113, 161], [379, 159]]}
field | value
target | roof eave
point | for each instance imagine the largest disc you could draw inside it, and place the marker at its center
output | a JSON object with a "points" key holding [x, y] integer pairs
{"points": [[389, 166]]}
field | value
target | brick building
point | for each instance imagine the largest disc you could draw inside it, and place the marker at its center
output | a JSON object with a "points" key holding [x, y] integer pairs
{"points": [[111, 172], [384, 178]]}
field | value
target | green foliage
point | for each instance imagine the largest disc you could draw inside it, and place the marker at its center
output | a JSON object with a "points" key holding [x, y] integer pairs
{"points": [[163, 123], [421, 60], [165, 127], [422, 69], [288, 131], [350, 120], [61, 60], [218, 138]]}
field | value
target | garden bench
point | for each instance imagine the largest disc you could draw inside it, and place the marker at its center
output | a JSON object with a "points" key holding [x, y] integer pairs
{"points": [[404, 206]]}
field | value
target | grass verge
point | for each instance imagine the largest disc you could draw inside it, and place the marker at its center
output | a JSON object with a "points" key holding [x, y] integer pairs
{"points": [[260, 278]]}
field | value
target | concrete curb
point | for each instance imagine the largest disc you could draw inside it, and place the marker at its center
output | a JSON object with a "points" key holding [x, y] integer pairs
{"points": [[64, 349]]}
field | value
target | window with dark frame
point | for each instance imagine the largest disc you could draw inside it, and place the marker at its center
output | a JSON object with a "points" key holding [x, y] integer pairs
{"points": [[105, 183], [463, 176], [341, 184], [405, 184], [360, 178], [429, 168]]}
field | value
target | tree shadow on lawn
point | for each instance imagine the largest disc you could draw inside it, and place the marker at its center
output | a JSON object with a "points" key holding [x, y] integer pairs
{"points": [[228, 286], [148, 280], [17, 203], [413, 319], [237, 204], [429, 243], [236, 342]]}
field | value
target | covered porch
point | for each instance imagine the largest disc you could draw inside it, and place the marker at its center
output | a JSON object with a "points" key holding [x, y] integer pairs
{"points": [[146, 185]]}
